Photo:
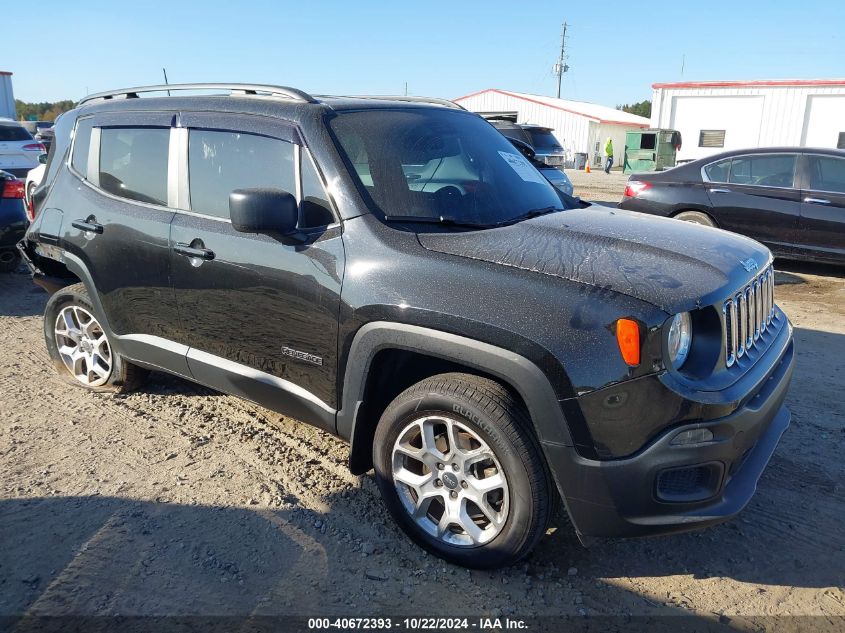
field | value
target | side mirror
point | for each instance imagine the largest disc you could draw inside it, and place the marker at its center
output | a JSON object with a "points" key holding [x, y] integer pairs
{"points": [[263, 210], [42, 158]]}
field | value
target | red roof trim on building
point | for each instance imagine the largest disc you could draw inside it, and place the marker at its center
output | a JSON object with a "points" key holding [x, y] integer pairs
{"points": [[752, 84], [5, 72], [549, 105]]}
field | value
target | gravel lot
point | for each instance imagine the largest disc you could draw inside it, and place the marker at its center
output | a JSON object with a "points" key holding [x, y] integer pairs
{"points": [[598, 186], [179, 500]]}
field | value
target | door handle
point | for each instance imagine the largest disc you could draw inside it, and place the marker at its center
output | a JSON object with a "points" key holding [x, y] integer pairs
{"points": [[90, 227], [816, 201], [719, 190], [189, 251]]}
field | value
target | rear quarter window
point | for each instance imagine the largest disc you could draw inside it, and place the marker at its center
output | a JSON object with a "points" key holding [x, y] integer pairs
{"points": [[718, 172], [81, 146]]}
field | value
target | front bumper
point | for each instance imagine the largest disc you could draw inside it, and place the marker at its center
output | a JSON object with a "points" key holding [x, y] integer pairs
{"points": [[625, 497]]}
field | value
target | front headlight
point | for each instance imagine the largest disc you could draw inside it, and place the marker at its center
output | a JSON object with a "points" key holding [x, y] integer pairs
{"points": [[680, 339]]}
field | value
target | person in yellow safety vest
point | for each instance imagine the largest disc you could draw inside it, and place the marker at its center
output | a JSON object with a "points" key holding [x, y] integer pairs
{"points": [[608, 150]]}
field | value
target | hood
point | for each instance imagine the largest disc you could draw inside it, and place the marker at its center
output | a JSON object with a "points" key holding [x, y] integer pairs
{"points": [[673, 265]]}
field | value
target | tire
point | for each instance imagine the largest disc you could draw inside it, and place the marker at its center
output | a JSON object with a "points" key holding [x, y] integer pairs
{"points": [[696, 217], [79, 347], [489, 453], [9, 261]]}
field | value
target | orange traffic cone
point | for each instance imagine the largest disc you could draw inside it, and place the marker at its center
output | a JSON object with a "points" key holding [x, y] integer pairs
{"points": [[587, 168]]}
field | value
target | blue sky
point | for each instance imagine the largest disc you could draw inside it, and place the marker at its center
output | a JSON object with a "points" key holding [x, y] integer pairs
{"points": [[446, 49]]}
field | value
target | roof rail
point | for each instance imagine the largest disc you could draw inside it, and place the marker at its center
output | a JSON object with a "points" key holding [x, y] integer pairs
{"points": [[432, 100], [234, 89]]}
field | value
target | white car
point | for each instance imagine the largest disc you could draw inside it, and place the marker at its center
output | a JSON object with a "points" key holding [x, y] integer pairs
{"points": [[33, 179], [19, 152]]}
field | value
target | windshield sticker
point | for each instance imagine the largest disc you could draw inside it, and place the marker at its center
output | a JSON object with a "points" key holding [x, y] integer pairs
{"points": [[522, 167]]}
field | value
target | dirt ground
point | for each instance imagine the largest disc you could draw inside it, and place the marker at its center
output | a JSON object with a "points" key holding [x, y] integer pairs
{"points": [[177, 500], [598, 186]]}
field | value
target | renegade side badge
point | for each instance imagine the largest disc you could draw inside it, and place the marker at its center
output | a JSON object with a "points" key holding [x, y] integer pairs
{"points": [[298, 355]]}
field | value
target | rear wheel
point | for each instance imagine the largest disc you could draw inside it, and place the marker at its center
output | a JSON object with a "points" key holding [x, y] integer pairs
{"points": [[696, 217], [80, 348], [461, 472]]}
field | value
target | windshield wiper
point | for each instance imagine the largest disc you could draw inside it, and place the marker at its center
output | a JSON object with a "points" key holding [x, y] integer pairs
{"points": [[441, 220], [533, 213], [444, 220]]}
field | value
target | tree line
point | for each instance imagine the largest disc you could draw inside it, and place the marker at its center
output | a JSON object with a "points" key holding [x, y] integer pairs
{"points": [[44, 111], [643, 108]]}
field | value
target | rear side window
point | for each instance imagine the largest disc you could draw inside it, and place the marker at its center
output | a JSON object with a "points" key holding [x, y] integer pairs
{"points": [[827, 173], [133, 163], [10, 132], [764, 170], [718, 172], [220, 162], [81, 145]]}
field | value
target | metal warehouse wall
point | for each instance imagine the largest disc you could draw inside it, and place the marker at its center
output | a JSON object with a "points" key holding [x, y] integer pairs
{"points": [[7, 98], [752, 116], [572, 130]]}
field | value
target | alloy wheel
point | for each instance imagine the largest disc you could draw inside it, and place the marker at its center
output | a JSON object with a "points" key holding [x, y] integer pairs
{"points": [[83, 346], [450, 481]]}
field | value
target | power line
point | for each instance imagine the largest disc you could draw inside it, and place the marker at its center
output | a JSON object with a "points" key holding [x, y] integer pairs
{"points": [[560, 67]]}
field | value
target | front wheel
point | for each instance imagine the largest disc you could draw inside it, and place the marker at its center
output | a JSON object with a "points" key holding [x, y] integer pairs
{"points": [[461, 471]]}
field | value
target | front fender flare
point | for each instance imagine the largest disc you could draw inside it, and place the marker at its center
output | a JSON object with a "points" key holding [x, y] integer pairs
{"points": [[511, 368]]}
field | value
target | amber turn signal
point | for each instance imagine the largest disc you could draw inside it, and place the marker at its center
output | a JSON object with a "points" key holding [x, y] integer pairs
{"points": [[628, 337]]}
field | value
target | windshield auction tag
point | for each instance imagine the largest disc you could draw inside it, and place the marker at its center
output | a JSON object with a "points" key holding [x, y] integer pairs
{"points": [[522, 167]]}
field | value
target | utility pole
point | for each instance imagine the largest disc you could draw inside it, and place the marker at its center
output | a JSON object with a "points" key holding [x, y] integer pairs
{"points": [[561, 67]]}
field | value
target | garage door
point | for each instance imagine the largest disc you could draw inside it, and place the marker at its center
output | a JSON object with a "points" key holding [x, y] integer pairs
{"points": [[709, 125], [823, 123]]}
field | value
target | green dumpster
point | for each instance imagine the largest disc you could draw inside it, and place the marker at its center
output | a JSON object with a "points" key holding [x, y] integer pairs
{"points": [[651, 150]]}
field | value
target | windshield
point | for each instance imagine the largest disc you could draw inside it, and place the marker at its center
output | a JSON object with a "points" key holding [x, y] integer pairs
{"points": [[543, 140], [440, 164]]}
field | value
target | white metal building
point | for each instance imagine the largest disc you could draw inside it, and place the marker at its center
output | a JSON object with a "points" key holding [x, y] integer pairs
{"points": [[716, 116], [578, 125], [7, 97]]}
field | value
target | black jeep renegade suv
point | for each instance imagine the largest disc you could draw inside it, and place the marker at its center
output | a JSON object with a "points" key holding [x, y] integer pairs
{"points": [[393, 271]]}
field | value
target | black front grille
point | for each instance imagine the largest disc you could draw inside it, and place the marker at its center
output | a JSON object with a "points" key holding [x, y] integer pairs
{"points": [[692, 483]]}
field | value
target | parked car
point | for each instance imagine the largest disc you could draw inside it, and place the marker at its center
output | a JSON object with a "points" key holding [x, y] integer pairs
{"points": [[45, 136], [13, 221], [487, 348], [792, 199], [554, 175], [33, 179], [33, 127], [18, 150], [547, 148]]}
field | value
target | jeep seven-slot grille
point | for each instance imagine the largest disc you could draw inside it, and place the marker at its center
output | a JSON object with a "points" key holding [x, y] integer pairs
{"points": [[748, 314]]}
